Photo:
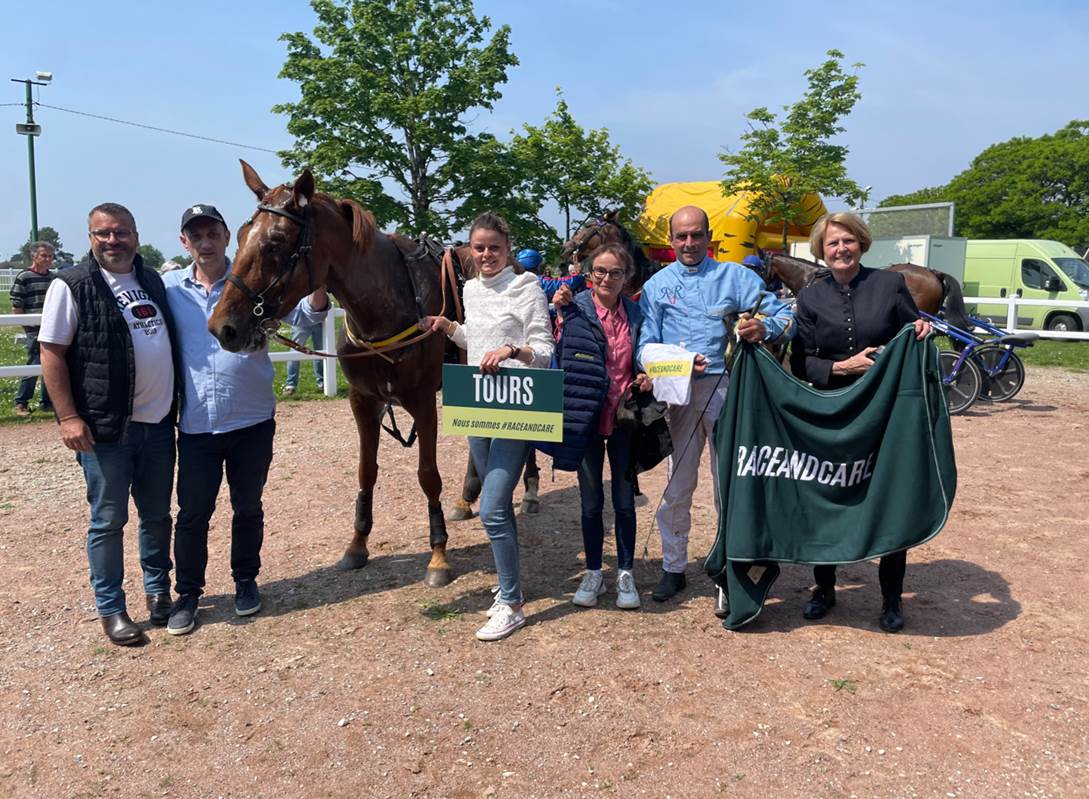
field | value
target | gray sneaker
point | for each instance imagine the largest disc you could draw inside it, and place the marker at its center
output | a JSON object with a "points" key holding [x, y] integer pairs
{"points": [[247, 599], [591, 587], [183, 615]]}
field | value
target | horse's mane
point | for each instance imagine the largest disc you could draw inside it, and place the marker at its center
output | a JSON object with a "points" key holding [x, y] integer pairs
{"points": [[364, 227]]}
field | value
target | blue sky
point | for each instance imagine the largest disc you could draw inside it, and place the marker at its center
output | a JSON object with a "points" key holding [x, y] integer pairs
{"points": [[671, 81]]}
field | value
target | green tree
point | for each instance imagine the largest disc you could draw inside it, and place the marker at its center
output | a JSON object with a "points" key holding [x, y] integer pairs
{"points": [[153, 257], [492, 179], [579, 170], [22, 257], [182, 260], [781, 161], [386, 89], [1022, 188]]}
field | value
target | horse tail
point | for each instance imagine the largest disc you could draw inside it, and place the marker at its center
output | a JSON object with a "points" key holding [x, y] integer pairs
{"points": [[953, 302], [363, 224]]}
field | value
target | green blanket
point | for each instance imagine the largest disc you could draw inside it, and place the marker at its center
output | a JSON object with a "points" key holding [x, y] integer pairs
{"points": [[808, 476]]}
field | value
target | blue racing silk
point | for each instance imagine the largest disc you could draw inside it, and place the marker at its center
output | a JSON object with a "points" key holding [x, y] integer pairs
{"points": [[689, 307]]}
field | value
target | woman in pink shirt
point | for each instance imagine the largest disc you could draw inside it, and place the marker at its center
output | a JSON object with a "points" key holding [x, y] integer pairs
{"points": [[618, 320]]}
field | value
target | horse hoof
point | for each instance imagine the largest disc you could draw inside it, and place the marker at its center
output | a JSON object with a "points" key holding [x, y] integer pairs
{"points": [[352, 561], [459, 514], [531, 506], [437, 578]]}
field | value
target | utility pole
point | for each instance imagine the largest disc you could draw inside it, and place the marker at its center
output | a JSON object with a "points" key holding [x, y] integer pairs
{"points": [[30, 130]]}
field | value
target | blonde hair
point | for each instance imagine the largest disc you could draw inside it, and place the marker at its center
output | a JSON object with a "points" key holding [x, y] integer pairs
{"points": [[845, 219]]}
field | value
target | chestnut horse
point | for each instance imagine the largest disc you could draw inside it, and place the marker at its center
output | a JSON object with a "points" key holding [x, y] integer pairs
{"points": [[932, 291], [595, 232], [297, 240]]}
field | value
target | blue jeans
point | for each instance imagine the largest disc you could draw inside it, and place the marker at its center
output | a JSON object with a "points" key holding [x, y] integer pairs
{"points": [[142, 463], [592, 494], [25, 393], [299, 335], [499, 463], [245, 455]]}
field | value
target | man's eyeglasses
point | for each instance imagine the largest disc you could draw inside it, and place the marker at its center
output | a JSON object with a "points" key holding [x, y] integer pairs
{"points": [[613, 274], [104, 235]]}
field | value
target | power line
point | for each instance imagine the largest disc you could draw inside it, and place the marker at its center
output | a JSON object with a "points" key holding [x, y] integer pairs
{"points": [[155, 128]]}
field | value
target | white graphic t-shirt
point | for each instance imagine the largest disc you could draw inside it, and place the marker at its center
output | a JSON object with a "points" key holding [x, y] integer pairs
{"points": [[150, 339]]}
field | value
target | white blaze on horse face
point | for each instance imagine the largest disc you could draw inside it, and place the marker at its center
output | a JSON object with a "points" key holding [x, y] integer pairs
{"points": [[490, 250], [842, 252]]}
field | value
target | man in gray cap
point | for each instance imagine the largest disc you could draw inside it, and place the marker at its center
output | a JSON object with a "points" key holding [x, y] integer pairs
{"points": [[226, 424]]}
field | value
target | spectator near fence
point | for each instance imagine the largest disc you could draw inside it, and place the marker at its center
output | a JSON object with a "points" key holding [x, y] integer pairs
{"points": [[28, 296]]}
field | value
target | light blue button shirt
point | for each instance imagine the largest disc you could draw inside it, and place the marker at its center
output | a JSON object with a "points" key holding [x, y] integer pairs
{"points": [[224, 390], [688, 306]]}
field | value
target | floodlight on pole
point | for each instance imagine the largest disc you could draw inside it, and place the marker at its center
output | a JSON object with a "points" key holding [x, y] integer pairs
{"points": [[30, 129]]}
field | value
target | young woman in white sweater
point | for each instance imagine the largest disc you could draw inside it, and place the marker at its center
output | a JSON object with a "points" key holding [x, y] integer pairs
{"points": [[506, 324]]}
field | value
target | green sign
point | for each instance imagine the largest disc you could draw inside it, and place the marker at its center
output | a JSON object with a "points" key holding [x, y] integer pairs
{"points": [[515, 403]]}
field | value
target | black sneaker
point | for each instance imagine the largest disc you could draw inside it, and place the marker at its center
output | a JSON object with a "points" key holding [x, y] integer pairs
{"points": [[668, 587], [822, 601], [247, 599], [183, 615], [892, 617]]}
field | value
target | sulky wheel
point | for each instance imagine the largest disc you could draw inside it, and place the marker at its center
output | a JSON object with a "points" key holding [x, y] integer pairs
{"points": [[1002, 379], [961, 388]]}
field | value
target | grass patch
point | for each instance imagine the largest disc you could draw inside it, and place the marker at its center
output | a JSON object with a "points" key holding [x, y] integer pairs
{"points": [[1073, 355], [436, 611], [845, 684]]}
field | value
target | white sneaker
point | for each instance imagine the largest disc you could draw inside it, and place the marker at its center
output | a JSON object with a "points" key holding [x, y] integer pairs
{"points": [[498, 603], [627, 596], [505, 621], [591, 587], [289, 390]]}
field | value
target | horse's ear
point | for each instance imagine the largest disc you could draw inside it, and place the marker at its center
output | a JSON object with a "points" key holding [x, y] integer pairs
{"points": [[253, 180], [303, 189], [610, 216]]}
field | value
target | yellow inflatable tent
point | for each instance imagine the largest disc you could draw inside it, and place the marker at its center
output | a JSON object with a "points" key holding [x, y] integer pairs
{"points": [[732, 235]]}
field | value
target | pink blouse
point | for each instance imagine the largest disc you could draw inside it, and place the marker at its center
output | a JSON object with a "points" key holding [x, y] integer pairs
{"points": [[618, 361]]}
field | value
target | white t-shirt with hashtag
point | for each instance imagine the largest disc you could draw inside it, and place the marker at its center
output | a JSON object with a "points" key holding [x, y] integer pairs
{"points": [[147, 327]]}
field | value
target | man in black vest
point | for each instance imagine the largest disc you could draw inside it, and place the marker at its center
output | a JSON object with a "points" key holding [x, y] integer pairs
{"points": [[107, 360]]}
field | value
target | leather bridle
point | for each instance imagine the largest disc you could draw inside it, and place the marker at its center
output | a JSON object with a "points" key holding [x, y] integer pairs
{"points": [[268, 313]]}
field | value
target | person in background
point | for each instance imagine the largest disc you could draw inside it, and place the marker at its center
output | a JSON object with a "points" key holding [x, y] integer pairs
{"points": [[506, 324], [227, 422], [300, 334], [687, 303], [28, 296], [602, 327], [842, 318], [108, 340]]}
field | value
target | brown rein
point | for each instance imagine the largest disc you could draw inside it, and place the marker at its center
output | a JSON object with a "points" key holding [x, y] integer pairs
{"points": [[446, 272]]}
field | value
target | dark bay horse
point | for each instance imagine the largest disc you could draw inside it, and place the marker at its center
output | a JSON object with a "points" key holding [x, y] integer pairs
{"points": [[298, 240], [932, 291], [595, 232]]}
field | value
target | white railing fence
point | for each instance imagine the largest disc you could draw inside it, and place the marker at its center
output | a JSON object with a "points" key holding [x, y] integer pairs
{"points": [[329, 367]]}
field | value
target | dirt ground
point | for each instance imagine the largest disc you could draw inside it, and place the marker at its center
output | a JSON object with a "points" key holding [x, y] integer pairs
{"points": [[357, 684]]}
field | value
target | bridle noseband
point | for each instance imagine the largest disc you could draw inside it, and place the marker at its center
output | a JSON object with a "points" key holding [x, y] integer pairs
{"points": [[269, 317]]}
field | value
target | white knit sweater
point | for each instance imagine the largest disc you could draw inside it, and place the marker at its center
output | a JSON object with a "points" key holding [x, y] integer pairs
{"points": [[505, 309]]}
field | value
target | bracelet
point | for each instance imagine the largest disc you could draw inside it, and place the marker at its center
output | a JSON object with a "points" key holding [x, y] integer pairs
{"points": [[514, 352], [69, 416]]}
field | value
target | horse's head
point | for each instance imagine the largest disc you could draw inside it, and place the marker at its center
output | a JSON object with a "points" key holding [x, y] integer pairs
{"points": [[593, 233], [281, 257], [795, 273]]}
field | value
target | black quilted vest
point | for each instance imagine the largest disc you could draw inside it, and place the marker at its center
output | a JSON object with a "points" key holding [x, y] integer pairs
{"points": [[101, 364]]}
